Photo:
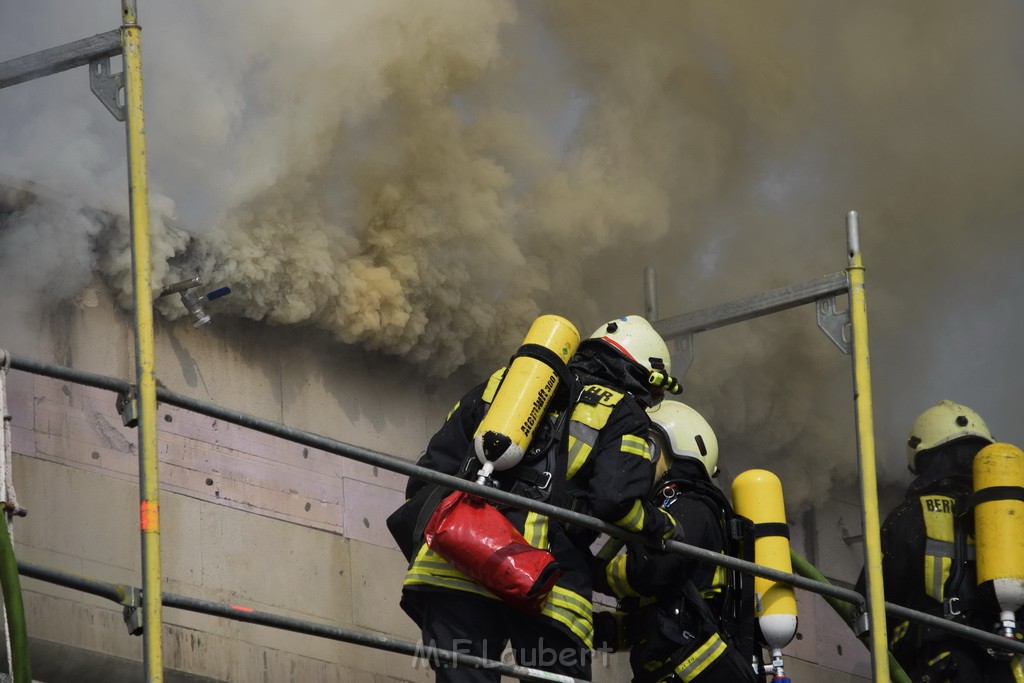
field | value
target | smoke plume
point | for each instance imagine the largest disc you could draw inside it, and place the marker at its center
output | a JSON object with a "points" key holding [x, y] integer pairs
{"points": [[423, 177]]}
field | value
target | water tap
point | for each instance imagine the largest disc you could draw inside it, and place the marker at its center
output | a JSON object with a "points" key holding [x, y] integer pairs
{"points": [[194, 301]]}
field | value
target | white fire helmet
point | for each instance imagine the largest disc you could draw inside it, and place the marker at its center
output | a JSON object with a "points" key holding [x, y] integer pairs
{"points": [[686, 433], [942, 424], [633, 337]]}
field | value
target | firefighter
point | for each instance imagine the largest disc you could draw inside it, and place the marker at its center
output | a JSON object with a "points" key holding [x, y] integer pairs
{"points": [[928, 560], [622, 369], [680, 618]]}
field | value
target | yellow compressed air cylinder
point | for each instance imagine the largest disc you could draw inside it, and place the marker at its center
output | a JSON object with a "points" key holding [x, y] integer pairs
{"points": [[757, 495], [519, 405], [999, 524]]}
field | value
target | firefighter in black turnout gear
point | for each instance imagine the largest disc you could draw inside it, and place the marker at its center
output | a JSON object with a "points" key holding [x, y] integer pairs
{"points": [[928, 560], [622, 369], [680, 618]]}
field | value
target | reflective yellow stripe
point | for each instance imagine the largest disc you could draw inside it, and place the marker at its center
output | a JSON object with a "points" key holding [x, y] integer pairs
{"points": [[634, 519], [586, 424], [934, 660], [581, 442], [578, 454], [572, 610], [938, 559], [584, 433], [636, 446], [428, 562], [535, 530], [452, 584], [452, 411], [618, 580], [899, 632], [1017, 668], [596, 416], [705, 655], [671, 522], [718, 583], [430, 569], [563, 605]]}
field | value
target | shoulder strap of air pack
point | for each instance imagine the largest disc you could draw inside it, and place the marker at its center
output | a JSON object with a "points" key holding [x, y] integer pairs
{"points": [[738, 610], [558, 451]]}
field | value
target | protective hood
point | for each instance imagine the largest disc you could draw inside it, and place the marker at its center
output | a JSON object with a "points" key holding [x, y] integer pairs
{"points": [[598, 363], [946, 469], [689, 476], [690, 471]]}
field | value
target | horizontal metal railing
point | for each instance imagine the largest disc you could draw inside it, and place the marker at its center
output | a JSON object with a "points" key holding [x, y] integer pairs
{"points": [[122, 594], [401, 466]]}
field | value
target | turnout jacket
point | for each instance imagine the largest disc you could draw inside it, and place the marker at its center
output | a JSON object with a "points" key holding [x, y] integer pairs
{"points": [[928, 564], [609, 473], [667, 630], [643, 572]]}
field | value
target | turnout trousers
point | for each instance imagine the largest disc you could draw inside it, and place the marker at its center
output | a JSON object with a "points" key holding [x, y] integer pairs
{"points": [[482, 627]]}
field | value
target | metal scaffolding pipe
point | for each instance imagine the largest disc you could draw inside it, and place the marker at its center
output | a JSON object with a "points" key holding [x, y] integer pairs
{"points": [[866, 450], [993, 640], [751, 307], [404, 467], [60, 58], [409, 469], [650, 294], [116, 593], [149, 485]]}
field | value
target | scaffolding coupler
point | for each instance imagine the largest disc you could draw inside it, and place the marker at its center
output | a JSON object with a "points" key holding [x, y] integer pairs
{"points": [[128, 407], [132, 601]]}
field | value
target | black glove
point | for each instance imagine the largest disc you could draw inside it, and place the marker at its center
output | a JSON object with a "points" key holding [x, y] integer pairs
{"points": [[672, 531], [608, 634]]}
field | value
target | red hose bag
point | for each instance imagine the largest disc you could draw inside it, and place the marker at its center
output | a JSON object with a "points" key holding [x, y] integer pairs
{"points": [[480, 542]]}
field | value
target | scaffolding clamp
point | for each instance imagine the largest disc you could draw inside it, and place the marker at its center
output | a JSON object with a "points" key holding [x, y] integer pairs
{"points": [[128, 406], [834, 323], [862, 624], [108, 88], [132, 600]]}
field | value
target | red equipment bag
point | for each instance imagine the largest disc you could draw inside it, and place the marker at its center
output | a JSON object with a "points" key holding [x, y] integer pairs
{"points": [[481, 543]]}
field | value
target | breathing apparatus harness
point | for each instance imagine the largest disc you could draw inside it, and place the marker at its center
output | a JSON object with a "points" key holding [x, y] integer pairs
{"points": [[954, 595], [473, 534], [737, 594], [734, 599], [541, 475]]}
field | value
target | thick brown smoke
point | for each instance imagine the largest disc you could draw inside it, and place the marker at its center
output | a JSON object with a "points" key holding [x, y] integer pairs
{"points": [[423, 177]]}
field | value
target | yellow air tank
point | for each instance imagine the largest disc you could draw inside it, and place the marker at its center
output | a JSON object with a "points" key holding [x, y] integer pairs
{"points": [[522, 399], [757, 495], [999, 526]]}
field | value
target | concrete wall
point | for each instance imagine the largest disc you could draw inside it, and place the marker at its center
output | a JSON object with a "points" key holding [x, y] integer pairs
{"points": [[246, 519]]}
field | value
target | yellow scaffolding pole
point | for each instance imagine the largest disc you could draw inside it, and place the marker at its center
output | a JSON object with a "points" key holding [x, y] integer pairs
{"points": [[149, 483], [96, 52], [866, 450]]}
